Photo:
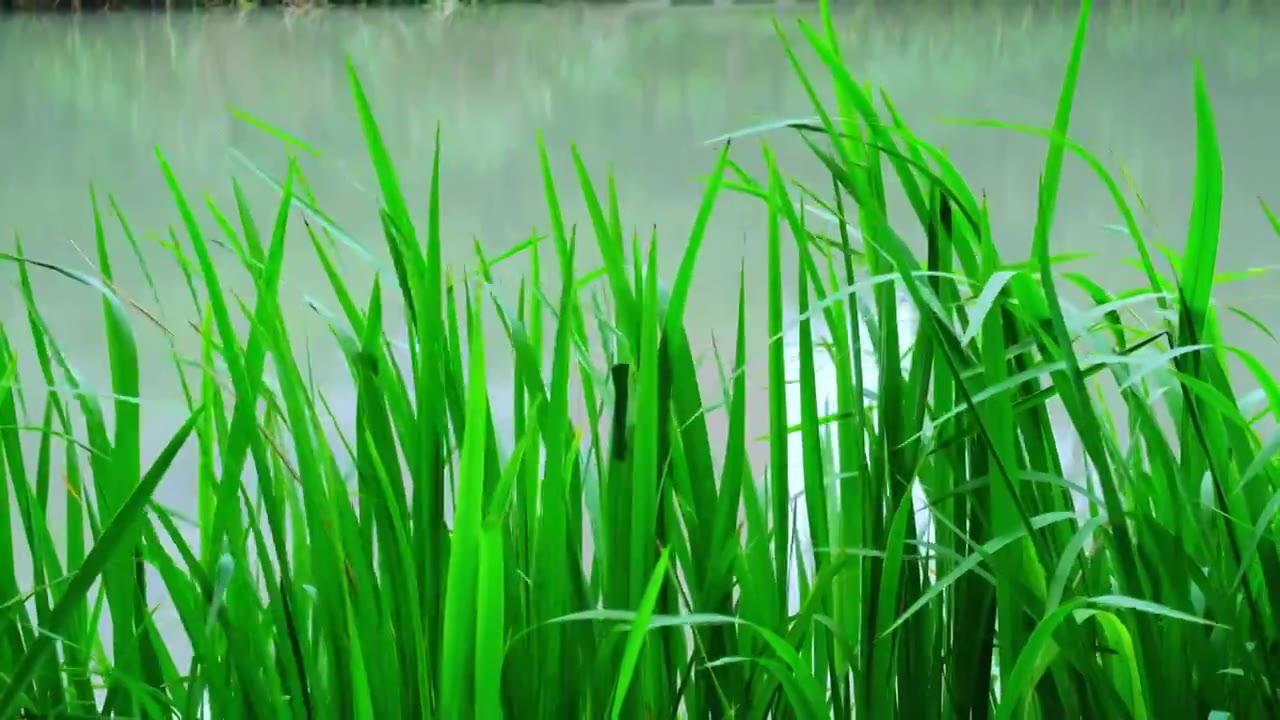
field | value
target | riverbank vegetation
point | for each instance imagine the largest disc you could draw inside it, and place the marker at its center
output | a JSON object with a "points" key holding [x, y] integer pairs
{"points": [[303, 5], [433, 563], [108, 89]]}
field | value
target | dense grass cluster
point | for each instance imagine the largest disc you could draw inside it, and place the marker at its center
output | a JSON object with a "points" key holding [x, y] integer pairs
{"points": [[448, 575]]}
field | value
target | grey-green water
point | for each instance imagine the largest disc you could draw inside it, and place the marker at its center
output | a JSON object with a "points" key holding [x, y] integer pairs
{"points": [[640, 89]]}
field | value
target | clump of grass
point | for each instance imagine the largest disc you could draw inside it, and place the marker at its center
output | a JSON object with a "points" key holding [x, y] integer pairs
{"points": [[449, 575]]}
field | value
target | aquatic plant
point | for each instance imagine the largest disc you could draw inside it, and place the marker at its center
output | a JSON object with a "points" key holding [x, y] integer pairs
{"points": [[420, 566]]}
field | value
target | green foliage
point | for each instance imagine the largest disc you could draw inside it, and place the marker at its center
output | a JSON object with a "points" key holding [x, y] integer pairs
{"points": [[448, 575]]}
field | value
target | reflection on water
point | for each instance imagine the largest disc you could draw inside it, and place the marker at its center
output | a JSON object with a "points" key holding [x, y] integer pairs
{"points": [[637, 90]]}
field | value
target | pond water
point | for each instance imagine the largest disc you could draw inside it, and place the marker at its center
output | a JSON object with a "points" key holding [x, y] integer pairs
{"points": [[638, 89]]}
